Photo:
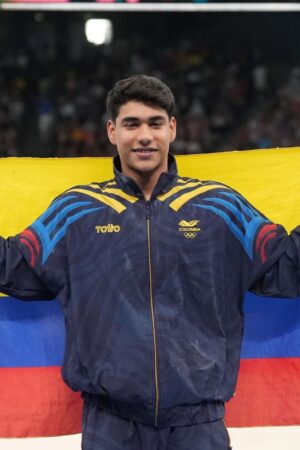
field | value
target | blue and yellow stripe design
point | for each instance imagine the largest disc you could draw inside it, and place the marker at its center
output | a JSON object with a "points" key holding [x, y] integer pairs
{"points": [[241, 218], [109, 194], [53, 224]]}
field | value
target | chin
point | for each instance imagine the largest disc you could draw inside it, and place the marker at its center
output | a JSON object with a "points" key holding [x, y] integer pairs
{"points": [[145, 169]]}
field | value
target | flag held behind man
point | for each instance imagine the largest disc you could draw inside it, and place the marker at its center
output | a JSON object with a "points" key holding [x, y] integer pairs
{"points": [[34, 400]]}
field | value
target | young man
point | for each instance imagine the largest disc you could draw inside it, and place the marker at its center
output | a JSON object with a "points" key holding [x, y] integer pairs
{"points": [[151, 269]]}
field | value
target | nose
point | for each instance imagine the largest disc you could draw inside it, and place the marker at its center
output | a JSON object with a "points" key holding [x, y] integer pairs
{"points": [[145, 135]]}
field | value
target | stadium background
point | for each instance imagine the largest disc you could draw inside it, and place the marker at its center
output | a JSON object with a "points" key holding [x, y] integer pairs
{"points": [[236, 77]]}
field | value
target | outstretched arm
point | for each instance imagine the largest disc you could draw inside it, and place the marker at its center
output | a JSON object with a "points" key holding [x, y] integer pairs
{"points": [[282, 279], [17, 278]]}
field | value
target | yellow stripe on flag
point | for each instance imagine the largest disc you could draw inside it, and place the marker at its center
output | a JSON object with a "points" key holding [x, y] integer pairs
{"points": [[28, 185], [267, 178]]}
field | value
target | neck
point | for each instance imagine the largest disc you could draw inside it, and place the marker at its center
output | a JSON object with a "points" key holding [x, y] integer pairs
{"points": [[145, 181], [147, 184]]}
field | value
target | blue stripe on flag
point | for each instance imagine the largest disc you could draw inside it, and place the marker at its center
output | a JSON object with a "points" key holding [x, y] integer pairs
{"points": [[272, 327], [31, 333]]}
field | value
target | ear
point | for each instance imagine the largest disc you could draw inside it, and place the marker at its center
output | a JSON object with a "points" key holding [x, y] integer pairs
{"points": [[111, 131], [173, 126]]}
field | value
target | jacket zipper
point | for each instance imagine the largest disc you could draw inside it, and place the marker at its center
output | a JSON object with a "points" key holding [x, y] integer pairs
{"points": [[152, 314]]}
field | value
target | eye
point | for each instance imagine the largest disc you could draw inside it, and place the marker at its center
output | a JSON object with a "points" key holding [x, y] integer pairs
{"points": [[131, 125], [156, 124]]}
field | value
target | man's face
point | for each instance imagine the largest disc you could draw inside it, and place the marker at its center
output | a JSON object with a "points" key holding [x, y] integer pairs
{"points": [[142, 135]]}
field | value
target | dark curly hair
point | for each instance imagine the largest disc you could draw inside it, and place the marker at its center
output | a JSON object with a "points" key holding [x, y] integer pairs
{"points": [[140, 88]]}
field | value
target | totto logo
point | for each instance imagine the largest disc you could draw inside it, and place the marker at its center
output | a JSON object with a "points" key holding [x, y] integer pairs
{"points": [[110, 228]]}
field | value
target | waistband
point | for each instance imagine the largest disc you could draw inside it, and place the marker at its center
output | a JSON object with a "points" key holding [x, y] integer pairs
{"points": [[176, 416]]}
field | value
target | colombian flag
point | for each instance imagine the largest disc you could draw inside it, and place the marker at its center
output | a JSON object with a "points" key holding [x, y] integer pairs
{"points": [[34, 400]]}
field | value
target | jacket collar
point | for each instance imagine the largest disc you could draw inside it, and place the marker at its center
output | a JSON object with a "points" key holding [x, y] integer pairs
{"points": [[164, 184]]}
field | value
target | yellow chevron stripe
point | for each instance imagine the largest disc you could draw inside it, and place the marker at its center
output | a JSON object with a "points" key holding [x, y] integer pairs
{"points": [[96, 185], [180, 180], [3, 295], [117, 206], [176, 189], [120, 193], [180, 201]]}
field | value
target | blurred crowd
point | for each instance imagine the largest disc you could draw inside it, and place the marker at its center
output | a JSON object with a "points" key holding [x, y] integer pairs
{"points": [[54, 106]]}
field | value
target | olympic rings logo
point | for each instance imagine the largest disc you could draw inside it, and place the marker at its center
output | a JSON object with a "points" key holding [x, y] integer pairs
{"points": [[190, 235]]}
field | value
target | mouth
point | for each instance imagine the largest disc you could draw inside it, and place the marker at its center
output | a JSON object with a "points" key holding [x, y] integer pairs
{"points": [[144, 150]]}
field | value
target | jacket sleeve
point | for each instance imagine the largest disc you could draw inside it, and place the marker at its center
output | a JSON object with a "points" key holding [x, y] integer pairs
{"points": [[280, 276], [263, 256], [33, 264], [17, 277]]}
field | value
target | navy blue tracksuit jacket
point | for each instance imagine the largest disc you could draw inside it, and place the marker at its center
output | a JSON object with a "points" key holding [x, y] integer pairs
{"points": [[152, 291]]}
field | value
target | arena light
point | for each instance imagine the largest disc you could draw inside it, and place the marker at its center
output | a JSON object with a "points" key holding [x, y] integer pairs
{"points": [[99, 31]]}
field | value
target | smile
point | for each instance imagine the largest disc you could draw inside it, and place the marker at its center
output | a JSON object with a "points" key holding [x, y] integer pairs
{"points": [[144, 150]]}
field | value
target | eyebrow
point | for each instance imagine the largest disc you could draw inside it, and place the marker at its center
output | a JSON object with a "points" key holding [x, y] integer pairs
{"points": [[137, 119]]}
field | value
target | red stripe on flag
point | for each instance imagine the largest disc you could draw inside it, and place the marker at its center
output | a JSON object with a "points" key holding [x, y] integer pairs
{"points": [[268, 393], [36, 402]]}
